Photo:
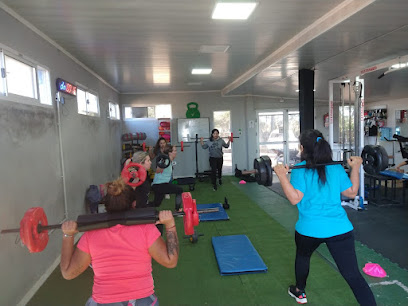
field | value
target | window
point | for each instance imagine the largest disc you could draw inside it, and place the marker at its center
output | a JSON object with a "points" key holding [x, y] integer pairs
{"points": [[114, 111], [20, 78], [346, 119], [44, 86], [24, 81], [157, 111], [87, 103]]}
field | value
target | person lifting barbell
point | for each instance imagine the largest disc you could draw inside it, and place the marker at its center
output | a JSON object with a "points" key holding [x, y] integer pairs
{"points": [[127, 250], [126, 238], [215, 144], [316, 193]]}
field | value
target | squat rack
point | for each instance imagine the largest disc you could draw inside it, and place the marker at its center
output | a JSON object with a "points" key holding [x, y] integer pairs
{"points": [[358, 88]]}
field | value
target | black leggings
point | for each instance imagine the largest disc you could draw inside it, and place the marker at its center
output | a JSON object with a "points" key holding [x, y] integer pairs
{"points": [[342, 249], [160, 190], [216, 167]]}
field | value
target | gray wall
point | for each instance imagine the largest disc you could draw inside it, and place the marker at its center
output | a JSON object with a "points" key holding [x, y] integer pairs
{"points": [[30, 163]]}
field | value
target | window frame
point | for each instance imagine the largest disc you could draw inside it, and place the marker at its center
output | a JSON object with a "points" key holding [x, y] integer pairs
{"points": [[117, 107], [12, 97], [142, 106], [88, 91]]}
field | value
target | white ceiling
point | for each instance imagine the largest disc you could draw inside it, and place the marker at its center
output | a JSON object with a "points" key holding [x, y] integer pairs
{"points": [[126, 41]]}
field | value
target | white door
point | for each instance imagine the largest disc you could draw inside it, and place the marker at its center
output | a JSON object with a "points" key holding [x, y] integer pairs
{"points": [[278, 133], [222, 122]]}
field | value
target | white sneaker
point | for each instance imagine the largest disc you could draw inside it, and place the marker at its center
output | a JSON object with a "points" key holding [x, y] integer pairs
{"points": [[167, 197]]}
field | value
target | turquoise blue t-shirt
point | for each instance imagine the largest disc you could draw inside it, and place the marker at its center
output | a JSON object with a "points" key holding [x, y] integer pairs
{"points": [[163, 177], [320, 212]]}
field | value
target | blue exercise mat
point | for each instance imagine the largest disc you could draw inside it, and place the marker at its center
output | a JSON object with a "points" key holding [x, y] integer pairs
{"points": [[398, 175], [236, 255], [213, 216]]}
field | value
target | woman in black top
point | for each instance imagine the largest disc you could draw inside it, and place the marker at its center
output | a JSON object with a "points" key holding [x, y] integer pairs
{"points": [[141, 192]]}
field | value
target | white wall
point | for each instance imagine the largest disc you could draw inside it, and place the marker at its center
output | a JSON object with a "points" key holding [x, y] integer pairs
{"points": [[30, 161]]}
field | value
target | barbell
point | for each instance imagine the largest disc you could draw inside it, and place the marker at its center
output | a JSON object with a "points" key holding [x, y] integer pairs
{"points": [[182, 146], [196, 139], [375, 160], [227, 137], [34, 224]]}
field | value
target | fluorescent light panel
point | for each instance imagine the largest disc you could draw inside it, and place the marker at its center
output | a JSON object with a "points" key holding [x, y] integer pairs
{"points": [[233, 10], [201, 71]]}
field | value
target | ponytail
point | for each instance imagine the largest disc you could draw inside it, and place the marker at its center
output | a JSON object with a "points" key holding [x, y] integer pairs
{"points": [[316, 150]]}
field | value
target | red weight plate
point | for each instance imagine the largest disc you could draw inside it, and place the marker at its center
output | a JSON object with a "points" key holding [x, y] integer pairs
{"points": [[196, 217], [188, 222], [140, 173], [188, 208], [187, 201], [31, 238]]}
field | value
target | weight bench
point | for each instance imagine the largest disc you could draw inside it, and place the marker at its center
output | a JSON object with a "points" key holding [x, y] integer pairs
{"points": [[383, 196]]}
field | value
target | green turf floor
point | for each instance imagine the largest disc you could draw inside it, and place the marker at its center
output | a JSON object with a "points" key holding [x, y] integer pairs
{"points": [[268, 221]]}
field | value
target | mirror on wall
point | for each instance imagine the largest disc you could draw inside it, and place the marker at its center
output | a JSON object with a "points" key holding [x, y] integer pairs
{"points": [[401, 122]]}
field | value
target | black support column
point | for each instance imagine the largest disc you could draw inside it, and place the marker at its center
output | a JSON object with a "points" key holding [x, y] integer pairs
{"points": [[306, 99]]}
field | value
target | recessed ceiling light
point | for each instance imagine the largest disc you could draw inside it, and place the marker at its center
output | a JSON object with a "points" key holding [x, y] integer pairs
{"points": [[233, 10], [214, 48], [297, 90], [201, 71]]}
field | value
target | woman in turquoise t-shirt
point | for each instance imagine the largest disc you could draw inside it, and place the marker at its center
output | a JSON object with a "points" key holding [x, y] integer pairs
{"points": [[162, 182], [316, 192]]}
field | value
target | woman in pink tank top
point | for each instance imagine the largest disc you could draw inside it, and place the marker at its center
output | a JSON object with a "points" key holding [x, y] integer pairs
{"points": [[120, 255]]}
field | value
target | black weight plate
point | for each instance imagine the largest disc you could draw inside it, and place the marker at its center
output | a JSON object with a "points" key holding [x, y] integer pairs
{"points": [[261, 174], [369, 159], [375, 159], [268, 164], [163, 161], [383, 164]]}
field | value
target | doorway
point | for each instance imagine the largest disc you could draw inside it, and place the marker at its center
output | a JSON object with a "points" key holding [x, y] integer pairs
{"points": [[278, 136], [222, 122]]}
